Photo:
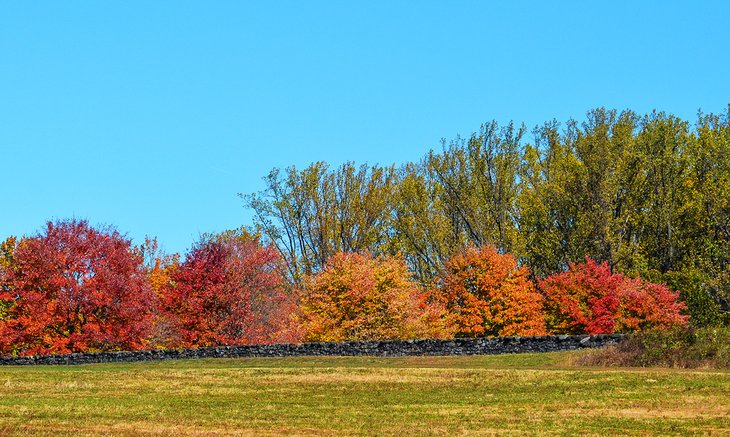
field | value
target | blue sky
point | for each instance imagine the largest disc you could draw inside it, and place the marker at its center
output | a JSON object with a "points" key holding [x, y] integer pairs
{"points": [[153, 115]]}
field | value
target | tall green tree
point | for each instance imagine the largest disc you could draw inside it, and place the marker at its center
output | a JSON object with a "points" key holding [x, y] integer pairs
{"points": [[649, 195]]}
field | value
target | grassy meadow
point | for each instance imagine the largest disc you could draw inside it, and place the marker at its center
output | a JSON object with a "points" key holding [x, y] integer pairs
{"points": [[506, 394]]}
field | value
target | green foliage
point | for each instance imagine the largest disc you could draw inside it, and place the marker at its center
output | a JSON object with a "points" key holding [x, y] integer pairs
{"points": [[649, 194], [312, 214], [693, 286], [686, 348]]}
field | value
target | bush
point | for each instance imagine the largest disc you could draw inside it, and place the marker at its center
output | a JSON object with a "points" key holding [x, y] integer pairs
{"points": [[227, 291], [589, 299], [707, 347]]}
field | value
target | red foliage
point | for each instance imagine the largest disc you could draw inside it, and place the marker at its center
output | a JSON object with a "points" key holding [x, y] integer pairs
{"points": [[227, 291], [647, 306], [589, 299], [360, 297], [74, 288], [487, 294]]}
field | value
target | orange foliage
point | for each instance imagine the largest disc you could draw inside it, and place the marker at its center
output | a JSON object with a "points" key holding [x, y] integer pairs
{"points": [[359, 297], [161, 274], [487, 294]]}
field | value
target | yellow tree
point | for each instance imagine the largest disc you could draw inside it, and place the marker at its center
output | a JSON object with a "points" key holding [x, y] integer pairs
{"points": [[361, 297]]}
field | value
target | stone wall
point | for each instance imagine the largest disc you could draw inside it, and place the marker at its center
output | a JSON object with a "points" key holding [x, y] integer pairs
{"points": [[394, 348]]}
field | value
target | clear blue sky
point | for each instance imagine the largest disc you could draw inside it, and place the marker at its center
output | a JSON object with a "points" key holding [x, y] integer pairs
{"points": [[153, 115]]}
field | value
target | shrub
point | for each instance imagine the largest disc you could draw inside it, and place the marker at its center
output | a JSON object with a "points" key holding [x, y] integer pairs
{"points": [[695, 289], [589, 299], [707, 347]]}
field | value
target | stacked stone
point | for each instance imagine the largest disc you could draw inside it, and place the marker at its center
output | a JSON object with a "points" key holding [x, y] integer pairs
{"points": [[390, 348]]}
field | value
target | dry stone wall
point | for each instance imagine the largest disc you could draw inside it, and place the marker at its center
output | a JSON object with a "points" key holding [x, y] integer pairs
{"points": [[391, 348]]}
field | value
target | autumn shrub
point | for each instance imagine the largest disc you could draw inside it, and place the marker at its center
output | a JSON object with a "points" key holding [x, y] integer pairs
{"points": [[74, 288], [707, 347], [589, 299], [487, 294], [227, 291], [361, 297]]}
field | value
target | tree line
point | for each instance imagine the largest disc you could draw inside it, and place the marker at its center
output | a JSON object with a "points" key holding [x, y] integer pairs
{"points": [[648, 194], [76, 288]]}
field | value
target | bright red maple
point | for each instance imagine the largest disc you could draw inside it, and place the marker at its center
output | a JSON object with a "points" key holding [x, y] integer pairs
{"points": [[74, 288], [227, 291], [487, 294], [589, 299]]}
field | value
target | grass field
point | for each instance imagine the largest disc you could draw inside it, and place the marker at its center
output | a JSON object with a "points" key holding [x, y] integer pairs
{"points": [[531, 393]]}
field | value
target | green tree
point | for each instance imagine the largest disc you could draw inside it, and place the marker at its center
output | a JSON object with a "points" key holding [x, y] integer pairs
{"points": [[314, 213]]}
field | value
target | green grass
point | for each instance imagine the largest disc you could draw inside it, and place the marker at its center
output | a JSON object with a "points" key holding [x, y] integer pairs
{"points": [[531, 393]]}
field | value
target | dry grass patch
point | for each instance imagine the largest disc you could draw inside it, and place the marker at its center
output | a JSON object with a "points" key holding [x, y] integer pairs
{"points": [[478, 395]]}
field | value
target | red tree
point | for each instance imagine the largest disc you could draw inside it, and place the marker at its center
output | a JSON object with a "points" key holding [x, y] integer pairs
{"points": [[227, 291], [74, 288], [487, 294], [589, 299]]}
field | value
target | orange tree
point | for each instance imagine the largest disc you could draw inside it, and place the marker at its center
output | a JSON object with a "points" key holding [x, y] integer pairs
{"points": [[360, 297], [159, 265], [589, 299], [487, 294]]}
